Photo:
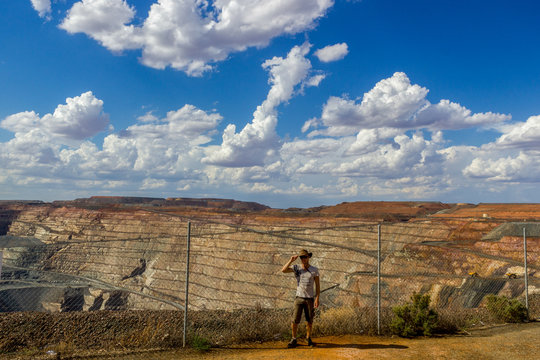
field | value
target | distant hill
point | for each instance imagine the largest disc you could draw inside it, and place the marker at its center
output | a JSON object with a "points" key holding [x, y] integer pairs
{"points": [[211, 203]]}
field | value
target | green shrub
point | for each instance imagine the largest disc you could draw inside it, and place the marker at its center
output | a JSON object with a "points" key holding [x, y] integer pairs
{"points": [[414, 319], [505, 309], [200, 343]]}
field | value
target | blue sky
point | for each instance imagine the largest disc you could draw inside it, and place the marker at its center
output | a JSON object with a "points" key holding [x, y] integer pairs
{"points": [[297, 103]]}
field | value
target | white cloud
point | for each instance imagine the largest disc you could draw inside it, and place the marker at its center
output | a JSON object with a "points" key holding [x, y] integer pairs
{"points": [[301, 189], [523, 135], [188, 123], [191, 35], [148, 117], [313, 148], [391, 103], [368, 140], [150, 183], [43, 7], [258, 140], [382, 157], [315, 80], [421, 187], [523, 167], [104, 21], [311, 123], [396, 103], [332, 52], [81, 117], [451, 116], [406, 155], [144, 156], [514, 156], [262, 188], [166, 147]]}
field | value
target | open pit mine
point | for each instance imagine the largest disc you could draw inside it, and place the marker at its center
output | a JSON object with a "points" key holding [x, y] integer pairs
{"points": [[130, 253]]}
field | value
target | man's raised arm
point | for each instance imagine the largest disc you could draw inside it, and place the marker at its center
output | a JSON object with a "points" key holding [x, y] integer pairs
{"points": [[287, 266]]}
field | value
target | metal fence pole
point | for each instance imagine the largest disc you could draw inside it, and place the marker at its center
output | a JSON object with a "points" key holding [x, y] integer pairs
{"points": [[379, 279], [187, 281], [526, 272]]}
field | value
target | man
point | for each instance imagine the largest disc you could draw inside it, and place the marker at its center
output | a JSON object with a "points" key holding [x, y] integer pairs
{"points": [[306, 298]]}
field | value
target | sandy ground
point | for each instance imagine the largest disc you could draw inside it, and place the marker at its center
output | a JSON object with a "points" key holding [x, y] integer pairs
{"points": [[518, 341]]}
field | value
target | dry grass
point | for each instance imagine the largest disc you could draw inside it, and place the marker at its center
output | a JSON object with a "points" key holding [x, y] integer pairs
{"points": [[346, 320], [68, 333]]}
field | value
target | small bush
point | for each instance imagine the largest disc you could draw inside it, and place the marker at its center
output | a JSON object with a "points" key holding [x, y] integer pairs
{"points": [[505, 309], [414, 319], [200, 343]]}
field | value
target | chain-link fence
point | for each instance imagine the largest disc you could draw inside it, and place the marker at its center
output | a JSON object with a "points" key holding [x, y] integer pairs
{"points": [[115, 281]]}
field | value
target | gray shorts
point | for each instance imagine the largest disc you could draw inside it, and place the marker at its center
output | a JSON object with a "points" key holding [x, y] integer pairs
{"points": [[306, 305]]}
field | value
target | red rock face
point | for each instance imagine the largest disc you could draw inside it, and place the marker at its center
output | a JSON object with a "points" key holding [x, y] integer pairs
{"points": [[135, 251]]}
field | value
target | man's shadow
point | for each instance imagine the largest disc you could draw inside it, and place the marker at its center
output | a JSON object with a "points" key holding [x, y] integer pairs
{"points": [[359, 346], [321, 345]]}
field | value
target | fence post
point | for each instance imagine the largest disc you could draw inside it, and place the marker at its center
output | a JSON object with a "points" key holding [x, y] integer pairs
{"points": [[187, 281], [526, 272], [379, 279]]}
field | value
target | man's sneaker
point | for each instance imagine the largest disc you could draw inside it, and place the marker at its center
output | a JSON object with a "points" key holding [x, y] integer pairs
{"points": [[310, 342], [292, 344]]}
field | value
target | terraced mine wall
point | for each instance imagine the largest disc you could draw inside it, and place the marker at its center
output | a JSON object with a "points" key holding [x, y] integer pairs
{"points": [[135, 258]]}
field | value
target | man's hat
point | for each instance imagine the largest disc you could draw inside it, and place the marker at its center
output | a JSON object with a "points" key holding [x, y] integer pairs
{"points": [[304, 252]]}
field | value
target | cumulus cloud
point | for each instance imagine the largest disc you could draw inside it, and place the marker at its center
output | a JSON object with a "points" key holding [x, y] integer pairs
{"points": [[258, 140], [391, 103], [43, 7], [523, 167], [34, 151], [332, 52], [523, 135], [149, 155], [411, 155], [396, 103], [81, 117], [391, 145], [187, 123], [148, 117], [191, 35], [451, 116], [301, 189], [409, 187], [153, 184], [514, 156], [368, 140], [165, 147], [104, 21]]}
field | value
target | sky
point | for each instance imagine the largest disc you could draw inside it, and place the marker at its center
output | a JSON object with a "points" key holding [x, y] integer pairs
{"points": [[292, 103]]}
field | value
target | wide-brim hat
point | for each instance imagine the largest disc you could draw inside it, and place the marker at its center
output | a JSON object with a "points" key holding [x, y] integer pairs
{"points": [[304, 252]]}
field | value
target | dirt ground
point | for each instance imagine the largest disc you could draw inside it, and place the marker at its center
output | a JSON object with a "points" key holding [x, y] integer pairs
{"points": [[516, 341], [510, 341]]}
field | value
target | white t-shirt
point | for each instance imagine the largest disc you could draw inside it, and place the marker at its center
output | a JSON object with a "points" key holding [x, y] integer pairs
{"points": [[305, 280]]}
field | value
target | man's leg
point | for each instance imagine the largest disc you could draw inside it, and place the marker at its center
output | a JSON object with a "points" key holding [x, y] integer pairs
{"points": [[297, 314], [293, 343], [309, 325], [310, 313], [294, 329]]}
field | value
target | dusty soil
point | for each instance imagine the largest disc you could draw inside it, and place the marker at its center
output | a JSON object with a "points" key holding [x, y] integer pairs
{"points": [[510, 341], [516, 341]]}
